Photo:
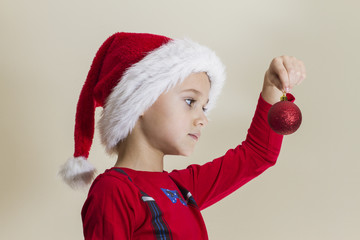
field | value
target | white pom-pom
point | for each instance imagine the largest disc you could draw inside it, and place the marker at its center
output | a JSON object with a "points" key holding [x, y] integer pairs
{"points": [[77, 172]]}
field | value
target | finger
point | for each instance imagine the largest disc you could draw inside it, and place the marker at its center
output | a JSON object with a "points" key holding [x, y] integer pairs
{"points": [[303, 71], [300, 72], [297, 74], [280, 71], [294, 67]]}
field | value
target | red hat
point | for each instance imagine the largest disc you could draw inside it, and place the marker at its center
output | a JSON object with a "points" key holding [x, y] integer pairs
{"points": [[129, 72]]}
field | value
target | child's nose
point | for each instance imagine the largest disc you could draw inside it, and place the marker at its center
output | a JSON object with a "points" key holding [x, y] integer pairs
{"points": [[201, 119]]}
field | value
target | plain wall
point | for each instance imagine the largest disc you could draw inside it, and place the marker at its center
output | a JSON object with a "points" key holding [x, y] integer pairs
{"points": [[313, 191]]}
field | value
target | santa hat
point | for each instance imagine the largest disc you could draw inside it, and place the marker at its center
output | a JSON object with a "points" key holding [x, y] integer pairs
{"points": [[129, 72]]}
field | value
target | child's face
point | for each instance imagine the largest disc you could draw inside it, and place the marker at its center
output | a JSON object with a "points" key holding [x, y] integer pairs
{"points": [[174, 122]]}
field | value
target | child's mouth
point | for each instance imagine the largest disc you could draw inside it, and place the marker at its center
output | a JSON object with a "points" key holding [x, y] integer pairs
{"points": [[195, 136]]}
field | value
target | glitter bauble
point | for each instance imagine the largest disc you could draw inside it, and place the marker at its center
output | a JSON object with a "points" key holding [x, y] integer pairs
{"points": [[284, 117]]}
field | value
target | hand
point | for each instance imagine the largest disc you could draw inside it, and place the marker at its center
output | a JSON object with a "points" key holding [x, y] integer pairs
{"points": [[283, 74]]}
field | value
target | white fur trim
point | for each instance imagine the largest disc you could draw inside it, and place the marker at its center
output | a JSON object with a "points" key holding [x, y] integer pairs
{"points": [[77, 172], [146, 80]]}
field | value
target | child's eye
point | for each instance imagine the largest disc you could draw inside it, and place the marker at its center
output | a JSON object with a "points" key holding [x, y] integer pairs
{"points": [[190, 102]]}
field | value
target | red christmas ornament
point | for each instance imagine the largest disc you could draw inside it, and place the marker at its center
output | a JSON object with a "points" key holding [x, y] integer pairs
{"points": [[284, 117]]}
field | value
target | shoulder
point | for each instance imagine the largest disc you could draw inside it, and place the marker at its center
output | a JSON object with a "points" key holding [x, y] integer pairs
{"points": [[113, 184]]}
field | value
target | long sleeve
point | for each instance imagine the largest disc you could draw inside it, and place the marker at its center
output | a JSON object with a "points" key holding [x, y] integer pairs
{"points": [[215, 180]]}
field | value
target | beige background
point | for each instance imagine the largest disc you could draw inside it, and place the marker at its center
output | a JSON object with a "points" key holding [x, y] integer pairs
{"points": [[312, 193]]}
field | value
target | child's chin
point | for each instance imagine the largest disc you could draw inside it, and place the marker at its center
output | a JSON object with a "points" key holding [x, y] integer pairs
{"points": [[186, 153]]}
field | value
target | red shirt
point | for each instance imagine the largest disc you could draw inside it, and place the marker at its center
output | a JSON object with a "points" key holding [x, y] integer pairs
{"points": [[127, 204]]}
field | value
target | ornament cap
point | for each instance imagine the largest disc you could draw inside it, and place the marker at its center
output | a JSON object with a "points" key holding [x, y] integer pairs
{"points": [[283, 98]]}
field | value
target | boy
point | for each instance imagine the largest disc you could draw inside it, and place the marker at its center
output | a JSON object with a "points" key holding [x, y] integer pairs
{"points": [[155, 92]]}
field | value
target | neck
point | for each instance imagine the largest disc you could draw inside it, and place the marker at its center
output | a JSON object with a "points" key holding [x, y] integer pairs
{"points": [[139, 156]]}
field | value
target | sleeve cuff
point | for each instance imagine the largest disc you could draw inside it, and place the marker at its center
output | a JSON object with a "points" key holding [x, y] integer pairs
{"points": [[264, 104]]}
